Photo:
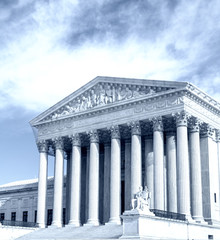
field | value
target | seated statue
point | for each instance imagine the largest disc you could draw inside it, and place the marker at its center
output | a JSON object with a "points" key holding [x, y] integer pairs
{"points": [[141, 199]]}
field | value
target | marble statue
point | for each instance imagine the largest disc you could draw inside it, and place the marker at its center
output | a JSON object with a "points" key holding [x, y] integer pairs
{"points": [[141, 199]]}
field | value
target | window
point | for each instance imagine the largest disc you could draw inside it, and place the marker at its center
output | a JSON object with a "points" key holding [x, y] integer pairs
{"points": [[35, 216], [2, 216], [25, 216], [215, 197], [13, 216]]}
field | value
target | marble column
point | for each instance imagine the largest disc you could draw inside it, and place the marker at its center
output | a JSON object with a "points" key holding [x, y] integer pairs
{"points": [[196, 178], [136, 164], [210, 181], [218, 159], [158, 147], [171, 171], [68, 186], [183, 185], [42, 184], [75, 191], [127, 174], [107, 167], [93, 212], [149, 168], [115, 176], [58, 184]]}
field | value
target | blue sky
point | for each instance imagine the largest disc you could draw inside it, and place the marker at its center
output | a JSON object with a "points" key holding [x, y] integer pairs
{"points": [[48, 49]]}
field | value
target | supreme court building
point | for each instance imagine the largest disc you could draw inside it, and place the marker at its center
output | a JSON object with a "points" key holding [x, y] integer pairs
{"points": [[118, 134]]}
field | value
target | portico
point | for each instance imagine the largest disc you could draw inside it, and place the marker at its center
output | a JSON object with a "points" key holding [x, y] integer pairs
{"points": [[129, 133]]}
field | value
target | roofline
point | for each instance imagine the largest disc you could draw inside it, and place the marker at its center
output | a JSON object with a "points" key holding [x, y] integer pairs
{"points": [[107, 79]]}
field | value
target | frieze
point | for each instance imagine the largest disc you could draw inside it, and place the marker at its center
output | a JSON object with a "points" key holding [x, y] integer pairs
{"points": [[199, 107], [161, 104], [101, 95]]}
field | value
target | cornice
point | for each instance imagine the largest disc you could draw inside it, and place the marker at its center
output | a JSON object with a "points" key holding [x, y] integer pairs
{"points": [[202, 98], [116, 106], [145, 99], [136, 83]]}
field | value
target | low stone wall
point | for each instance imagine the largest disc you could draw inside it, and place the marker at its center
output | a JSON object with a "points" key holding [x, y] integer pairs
{"points": [[11, 233], [137, 225]]}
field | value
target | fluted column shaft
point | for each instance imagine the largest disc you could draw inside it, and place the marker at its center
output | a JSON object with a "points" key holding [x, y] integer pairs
{"points": [[136, 173], [183, 187], [149, 168], [158, 147], [42, 185], [171, 171], [93, 213], [196, 178], [115, 176], [58, 184], [75, 181]]}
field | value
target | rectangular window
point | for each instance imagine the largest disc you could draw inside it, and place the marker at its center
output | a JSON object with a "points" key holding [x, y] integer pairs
{"points": [[13, 216], [35, 216], [2, 216], [25, 216], [215, 199]]}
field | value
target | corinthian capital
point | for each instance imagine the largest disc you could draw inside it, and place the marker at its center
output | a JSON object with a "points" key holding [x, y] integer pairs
{"points": [[58, 142], [135, 127], [157, 124], [181, 118], [75, 139], [115, 132], [194, 124], [42, 146], [207, 131], [217, 135], [94, 136]]}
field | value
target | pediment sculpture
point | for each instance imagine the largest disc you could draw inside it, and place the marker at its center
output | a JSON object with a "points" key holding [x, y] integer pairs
{"points": [[101, 95]]}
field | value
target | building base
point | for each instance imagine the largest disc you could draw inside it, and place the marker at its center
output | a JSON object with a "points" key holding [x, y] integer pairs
{"points": [[138, 225]]}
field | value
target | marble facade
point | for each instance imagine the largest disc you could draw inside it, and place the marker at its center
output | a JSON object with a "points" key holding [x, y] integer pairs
{"points": [[118, 134]]}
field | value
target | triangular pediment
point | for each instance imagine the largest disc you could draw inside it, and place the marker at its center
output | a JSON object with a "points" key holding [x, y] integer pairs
{"points": [[104, 91]]}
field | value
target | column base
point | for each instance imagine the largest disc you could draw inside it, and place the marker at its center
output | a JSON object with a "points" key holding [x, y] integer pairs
{"points": [[56, 225], [199, 219], [73, 223], [41, 225], [92, 222], [114, 221], [189, 219]]}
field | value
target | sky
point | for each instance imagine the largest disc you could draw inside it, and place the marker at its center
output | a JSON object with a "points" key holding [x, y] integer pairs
{"points": [[50, 48]]}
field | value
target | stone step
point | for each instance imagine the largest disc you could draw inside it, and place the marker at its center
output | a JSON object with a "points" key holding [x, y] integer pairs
{"points": [[73, 233]]}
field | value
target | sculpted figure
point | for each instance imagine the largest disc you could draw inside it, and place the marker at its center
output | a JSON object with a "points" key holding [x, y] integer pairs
{"points": [[141, 199], [128, 93], [93, 98], [109, 95], [102, 96]]}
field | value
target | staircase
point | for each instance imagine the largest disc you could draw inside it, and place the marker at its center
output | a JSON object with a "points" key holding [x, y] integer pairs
{"points": [[70, 233]]}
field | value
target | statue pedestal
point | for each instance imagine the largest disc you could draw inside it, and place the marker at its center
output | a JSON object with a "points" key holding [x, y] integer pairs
{"points": [[138, 224]]}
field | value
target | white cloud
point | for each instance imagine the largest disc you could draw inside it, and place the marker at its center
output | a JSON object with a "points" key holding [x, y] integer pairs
{"points": [[38, 68]]}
